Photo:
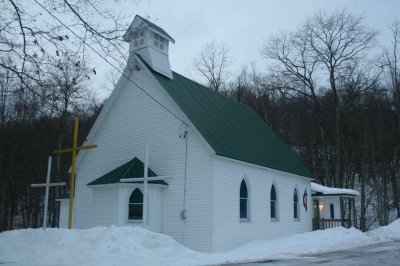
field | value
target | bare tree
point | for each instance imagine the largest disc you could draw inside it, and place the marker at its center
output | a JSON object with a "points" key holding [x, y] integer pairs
{"points": [[212, 64], [391, 60], [340, 40], [322, 48], [294, 72], [36, 37]]}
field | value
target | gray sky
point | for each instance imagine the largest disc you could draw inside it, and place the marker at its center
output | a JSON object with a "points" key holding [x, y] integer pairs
{"points": [[243, 25]]}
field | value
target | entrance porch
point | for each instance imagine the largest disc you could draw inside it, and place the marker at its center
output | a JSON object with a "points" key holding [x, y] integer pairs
{"points": [[333, 207]]}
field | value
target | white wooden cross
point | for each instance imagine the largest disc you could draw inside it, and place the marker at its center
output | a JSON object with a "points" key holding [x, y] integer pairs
{"points": [[145, 180], [47, 185]]}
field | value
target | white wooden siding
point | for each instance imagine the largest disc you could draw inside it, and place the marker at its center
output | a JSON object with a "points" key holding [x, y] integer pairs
{"points": [[64, 210], [229, 231], [326, 201], [105, 205], [133, 121], [160, 62]]}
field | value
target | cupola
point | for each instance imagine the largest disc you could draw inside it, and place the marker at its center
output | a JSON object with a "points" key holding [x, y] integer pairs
{"points": [[150, 42]]}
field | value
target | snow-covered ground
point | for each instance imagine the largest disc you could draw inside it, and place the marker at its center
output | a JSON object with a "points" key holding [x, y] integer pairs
{"points": [[135, 246]]}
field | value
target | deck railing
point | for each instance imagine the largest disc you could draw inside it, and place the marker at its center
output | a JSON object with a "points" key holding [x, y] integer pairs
{"points": [[322, 224]]}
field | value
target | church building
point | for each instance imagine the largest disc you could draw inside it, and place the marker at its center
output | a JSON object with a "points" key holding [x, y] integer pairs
{"points": [[217, 176]]}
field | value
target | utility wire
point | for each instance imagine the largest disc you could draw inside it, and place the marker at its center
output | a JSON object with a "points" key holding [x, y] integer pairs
{"points": [[111, 64]]}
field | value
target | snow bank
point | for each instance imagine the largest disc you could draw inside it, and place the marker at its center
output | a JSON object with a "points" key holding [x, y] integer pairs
{"points": [[300, 244], [333, 191], [386, 233], [94, 246], [135, 246]]}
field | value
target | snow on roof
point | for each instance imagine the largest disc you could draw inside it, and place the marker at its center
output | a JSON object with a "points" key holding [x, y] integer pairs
{"points": [[333, 191]]}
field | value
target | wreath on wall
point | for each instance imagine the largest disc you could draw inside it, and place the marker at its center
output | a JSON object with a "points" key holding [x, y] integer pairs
{"points": [[305, 199]]}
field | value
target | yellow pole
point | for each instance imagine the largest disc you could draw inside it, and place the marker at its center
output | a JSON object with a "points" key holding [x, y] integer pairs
{"points": [[72, 182]]}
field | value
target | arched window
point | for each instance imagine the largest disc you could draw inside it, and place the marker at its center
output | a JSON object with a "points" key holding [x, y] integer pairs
{"points": [[136, 205], [295, 205], [244, 201], [273, 203]]}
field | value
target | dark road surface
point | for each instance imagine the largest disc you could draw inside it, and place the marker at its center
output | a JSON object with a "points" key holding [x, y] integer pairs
{"points": [[379, 254]]}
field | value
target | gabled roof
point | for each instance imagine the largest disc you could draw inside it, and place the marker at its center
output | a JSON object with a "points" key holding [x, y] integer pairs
{"points": [[151, 26], [232, 129], [132, 169]]}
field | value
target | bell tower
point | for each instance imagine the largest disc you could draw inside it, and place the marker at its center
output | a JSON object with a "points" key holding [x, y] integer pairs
{"points": [[151, 43]]}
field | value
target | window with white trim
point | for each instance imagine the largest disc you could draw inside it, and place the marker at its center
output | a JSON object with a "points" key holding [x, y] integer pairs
{"points": [[135, 204], [138, 39], [295, 205], [244, 201], [159, 41], [273, 203]]}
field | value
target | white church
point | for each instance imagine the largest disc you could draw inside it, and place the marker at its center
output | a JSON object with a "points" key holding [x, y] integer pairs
{"points": [[217, 176]]}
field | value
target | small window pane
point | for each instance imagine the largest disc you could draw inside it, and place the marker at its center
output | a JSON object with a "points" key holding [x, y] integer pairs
{"points": [[273, 193], [295, 210], [332, 207], [243, 189], [141, 41], [136, 196], [135, 211], [273, 211], [243, 208]]}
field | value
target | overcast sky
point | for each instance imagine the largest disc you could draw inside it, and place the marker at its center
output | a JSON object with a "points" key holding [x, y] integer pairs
{"points": [[243, 25]]}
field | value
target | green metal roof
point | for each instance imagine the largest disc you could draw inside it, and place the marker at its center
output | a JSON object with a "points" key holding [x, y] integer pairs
{"points": [[132, 169], [232, 129]]}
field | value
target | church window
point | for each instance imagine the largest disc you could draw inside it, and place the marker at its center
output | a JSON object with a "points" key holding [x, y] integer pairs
{"points": [[136, 205], [138, 39], [244, 201], [273, 203], [159, 41], [295, 205]]}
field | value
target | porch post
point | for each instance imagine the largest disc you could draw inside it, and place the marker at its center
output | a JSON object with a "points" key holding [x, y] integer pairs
{"points": [[354, 213], [350, 208], [341, 211]]}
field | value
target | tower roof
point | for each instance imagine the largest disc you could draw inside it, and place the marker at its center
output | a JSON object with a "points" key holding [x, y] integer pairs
{"points": [[140, 22]]}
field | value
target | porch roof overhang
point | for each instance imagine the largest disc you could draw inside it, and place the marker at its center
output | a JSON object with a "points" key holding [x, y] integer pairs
{"points": [[317, 194], [130, 172], [319, 190]]}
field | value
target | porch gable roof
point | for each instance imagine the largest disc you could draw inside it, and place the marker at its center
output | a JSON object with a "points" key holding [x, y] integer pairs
{"points": [[132, 169]]}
